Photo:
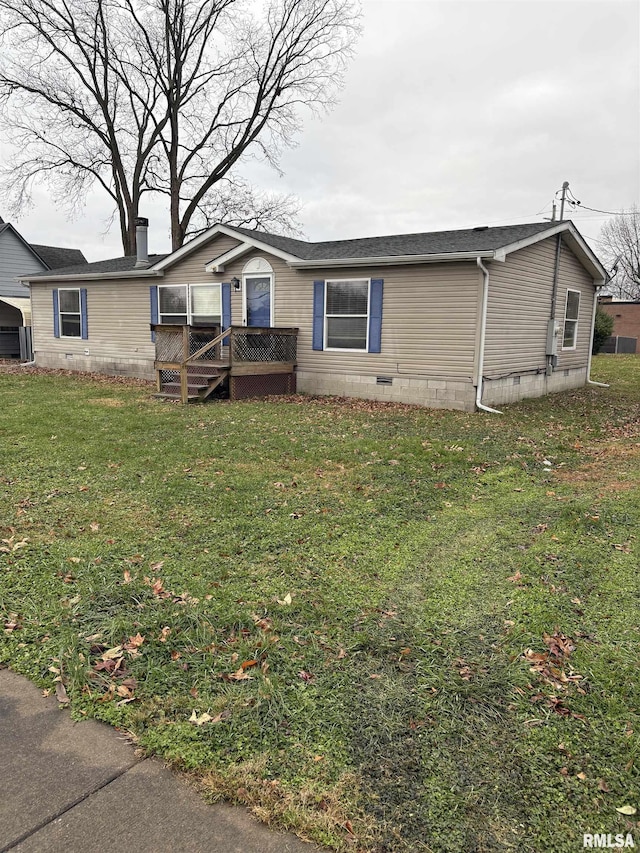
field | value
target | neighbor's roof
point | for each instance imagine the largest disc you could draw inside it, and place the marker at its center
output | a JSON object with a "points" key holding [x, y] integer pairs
{"points": [[53, 257], [56, 257]]}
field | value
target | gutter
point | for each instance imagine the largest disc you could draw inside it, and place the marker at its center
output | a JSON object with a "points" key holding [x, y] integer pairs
{"points": [[94, 276], [483, 332], [396, 259], [591, 381]]}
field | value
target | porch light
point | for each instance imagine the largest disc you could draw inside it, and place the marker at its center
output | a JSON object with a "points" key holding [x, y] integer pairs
{"points": [[236, 283]]}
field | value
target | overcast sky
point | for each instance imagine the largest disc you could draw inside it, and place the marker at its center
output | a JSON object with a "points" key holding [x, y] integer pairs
{"points": [[454, 114]]}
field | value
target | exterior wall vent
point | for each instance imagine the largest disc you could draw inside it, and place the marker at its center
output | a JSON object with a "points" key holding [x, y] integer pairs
{"points": [[516, 380], [384, 380]]}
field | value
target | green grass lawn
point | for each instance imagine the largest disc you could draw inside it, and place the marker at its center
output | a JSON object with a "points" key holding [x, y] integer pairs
{"points": [[387, 628]]}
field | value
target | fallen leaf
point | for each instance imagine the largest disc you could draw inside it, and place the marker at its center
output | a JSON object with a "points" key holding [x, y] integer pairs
{"points": [[61, 694], [112, 654], [134, 642], [628, 810], [164, 634], [94, 526], [239, 675], [200, 719], [127, 576], [286, 600], [602, 786]]}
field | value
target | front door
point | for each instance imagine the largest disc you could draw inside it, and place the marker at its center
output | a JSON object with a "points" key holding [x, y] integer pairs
{"points": [[257, 291]]}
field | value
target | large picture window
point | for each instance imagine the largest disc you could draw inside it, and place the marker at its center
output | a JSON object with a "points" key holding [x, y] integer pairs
{"points": [[347, 314], [70, 317], [571, 311], [190, 304]]}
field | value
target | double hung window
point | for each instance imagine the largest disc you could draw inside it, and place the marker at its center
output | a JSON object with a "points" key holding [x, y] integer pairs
{"points": [[190, 304], [571, 311], [347, 314], [69, 310]]}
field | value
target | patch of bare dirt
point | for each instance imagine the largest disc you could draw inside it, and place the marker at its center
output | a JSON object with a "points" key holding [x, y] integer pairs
{"points": [[611, 467]]}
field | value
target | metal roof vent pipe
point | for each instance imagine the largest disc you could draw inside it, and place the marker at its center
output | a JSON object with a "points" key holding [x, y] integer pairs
{"points": [[142, 247]]}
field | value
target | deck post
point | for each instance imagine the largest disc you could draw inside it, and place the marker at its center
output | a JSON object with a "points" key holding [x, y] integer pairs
{"points": [[184, 375]]}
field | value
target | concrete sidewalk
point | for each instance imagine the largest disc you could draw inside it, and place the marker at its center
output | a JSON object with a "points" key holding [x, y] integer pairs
{"points": [[79, 787]]}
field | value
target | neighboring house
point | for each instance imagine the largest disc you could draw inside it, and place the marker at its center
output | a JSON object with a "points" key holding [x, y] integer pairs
{"points": [[626, 320], [451, 319], [19, 258]]}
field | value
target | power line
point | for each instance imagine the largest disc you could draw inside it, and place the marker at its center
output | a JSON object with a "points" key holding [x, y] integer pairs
{"points": [[606, 212]]}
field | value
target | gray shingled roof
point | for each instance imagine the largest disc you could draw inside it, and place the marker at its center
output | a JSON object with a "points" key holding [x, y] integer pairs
{"points": [[56, 257], [124, 264], [430, 243]]}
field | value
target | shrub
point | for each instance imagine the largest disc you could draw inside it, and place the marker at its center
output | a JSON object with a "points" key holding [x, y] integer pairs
{"points": [[602, 329]]}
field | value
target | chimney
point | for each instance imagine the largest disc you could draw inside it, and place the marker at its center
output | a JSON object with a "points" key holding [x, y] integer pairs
{"points": [[142, 249]]}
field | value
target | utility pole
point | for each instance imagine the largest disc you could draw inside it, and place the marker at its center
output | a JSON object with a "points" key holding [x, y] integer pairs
{"points": [[565, 187]]}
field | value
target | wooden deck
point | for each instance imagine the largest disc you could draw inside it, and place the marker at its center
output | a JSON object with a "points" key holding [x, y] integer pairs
{"points": [[193, 362]]}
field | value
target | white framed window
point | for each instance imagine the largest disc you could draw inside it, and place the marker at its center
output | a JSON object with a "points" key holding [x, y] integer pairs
{"points": [[346, 314], [70, 317], [571, 311], [190, 304], [205, 303]]}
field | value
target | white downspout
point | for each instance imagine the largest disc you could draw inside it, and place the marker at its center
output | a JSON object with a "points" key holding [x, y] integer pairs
{"points": [[591, 381], [483, 330]]}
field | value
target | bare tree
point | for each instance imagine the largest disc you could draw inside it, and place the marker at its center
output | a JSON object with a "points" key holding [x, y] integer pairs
{"points": [[620, 241], [168, 97]]}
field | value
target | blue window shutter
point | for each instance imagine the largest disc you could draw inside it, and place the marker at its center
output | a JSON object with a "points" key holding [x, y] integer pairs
{"points": [[318, 315], [375, 315], [56, 315], [226, 309], [153, 296], [84, 327]]}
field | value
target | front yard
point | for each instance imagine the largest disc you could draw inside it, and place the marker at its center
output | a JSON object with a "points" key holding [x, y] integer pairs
{"points": [[388, 628]]}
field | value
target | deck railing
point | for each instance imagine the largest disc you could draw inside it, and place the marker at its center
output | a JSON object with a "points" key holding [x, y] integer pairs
{"points": [[238, 350]]}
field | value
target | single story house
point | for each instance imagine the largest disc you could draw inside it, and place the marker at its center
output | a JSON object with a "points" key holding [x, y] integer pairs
{"points": [[17, 257], [453, 319]]}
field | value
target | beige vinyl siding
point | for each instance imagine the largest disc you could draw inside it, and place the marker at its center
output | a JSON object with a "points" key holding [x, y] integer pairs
{"points": [[191, 269], [118, 317], [573, 276], [519, 305], [429, 315], [118, 310]]}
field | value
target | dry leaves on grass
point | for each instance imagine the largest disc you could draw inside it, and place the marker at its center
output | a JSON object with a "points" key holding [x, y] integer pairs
{"points": [[550, 668]]}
